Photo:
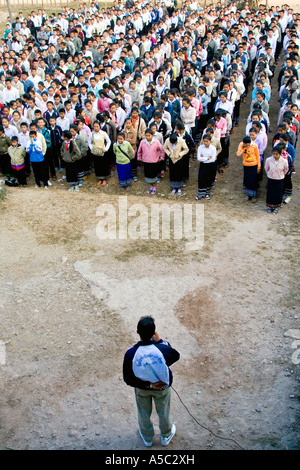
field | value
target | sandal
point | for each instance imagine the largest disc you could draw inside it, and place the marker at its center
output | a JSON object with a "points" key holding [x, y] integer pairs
{"points": [[99, 183], [104, 183]]}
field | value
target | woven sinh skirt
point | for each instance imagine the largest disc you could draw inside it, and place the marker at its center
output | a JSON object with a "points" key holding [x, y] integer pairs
{"points": [[206, 178], [176, 172], [250, 180], [71, 172], [124, 174], [186, 169], [101, 165], [288, 185], [274, 192], [151, 171]]}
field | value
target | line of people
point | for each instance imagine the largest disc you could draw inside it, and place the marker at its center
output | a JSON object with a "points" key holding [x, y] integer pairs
{"points": [[144, 85], [279, 167]]}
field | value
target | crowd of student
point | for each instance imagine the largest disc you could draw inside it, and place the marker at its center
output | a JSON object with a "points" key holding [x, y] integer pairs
{"points": [[143, 87]]}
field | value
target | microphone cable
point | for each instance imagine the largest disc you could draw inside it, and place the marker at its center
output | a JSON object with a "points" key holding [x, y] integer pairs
{"points": [[204, 427]]}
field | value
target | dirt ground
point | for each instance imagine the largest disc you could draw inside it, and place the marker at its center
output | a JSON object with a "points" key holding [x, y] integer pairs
{"points": [[70, 303]]}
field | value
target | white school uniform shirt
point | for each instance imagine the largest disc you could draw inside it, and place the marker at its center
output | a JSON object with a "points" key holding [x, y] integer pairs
{"points": [[227, 106], [64, 123], [204, 153], [71, 115], [232, 95], [11, 131], [23, 138], [10, 95]]}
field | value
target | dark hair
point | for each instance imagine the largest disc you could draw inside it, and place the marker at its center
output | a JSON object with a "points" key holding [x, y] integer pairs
{"points": [[277, 148], [284, 136], [179, 125], [67, 134], [173, 138], [146, 328]]}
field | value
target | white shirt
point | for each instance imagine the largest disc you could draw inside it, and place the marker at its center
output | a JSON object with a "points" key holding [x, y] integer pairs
{"points": [[23, 138], [64, 123], [227, 106], [10, 95], [71, 115], [11, 131], [206, 154]]}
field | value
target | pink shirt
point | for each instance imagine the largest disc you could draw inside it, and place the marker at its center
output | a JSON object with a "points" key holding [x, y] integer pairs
{"points": [[198, 106], [276, 170], [150, 152], [103, 104], [222, 125]]}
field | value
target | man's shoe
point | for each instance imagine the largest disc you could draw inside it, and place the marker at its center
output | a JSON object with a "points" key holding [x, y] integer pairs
{"points": [[166, 440], [147, 444]]}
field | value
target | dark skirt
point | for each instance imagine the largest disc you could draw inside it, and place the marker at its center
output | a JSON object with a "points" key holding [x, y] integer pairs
{"points": [[124, 174], [81, 166], [288, 185], [274, 192], [223, 156], [71, 173], [134, 164], [176, 172], [162, 166], [250, 180], [101, 165], [5, 164], [206, 178], [151, 171], [111, 156], [186, 167]]}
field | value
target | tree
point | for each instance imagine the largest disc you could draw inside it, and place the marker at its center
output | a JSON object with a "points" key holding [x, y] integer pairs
{"points": [[9, 10]]}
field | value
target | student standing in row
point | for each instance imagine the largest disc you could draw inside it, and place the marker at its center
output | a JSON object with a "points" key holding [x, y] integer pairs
{"points": [[17, 155], [151, 153], [251, 163], [207, 156], [70, 155], [35, 151], [276, 168], [124, 154], [176, 149], [99, 143]]}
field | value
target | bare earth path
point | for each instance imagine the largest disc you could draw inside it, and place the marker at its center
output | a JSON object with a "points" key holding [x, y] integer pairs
{"points": [[70, 303]]}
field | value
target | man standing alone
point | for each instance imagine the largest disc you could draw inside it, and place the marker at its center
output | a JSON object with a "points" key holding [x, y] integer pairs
{"points": [[146, 367]]}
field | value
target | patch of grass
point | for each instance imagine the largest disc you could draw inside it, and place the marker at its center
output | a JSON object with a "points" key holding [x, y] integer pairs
{"points": [[153, 248], [272, 441], [2, 193]]}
